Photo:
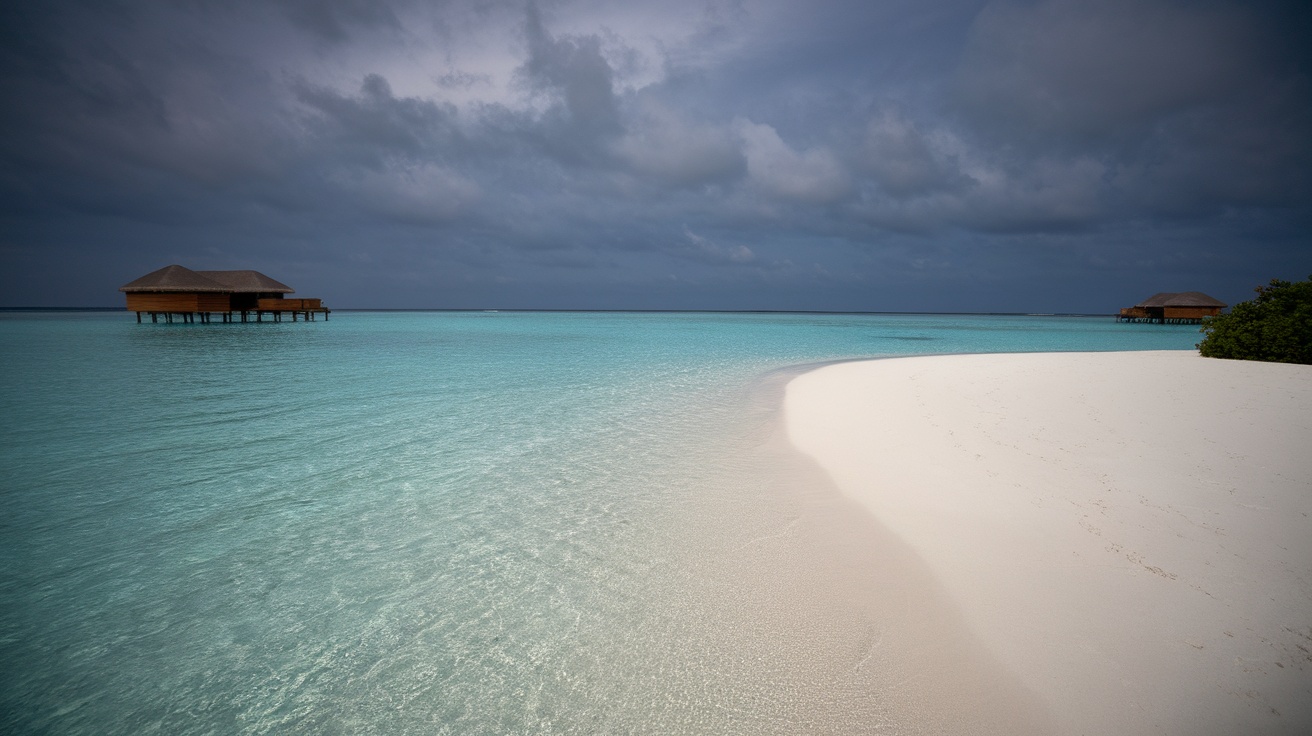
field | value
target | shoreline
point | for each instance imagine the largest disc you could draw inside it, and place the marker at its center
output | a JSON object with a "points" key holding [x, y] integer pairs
{"points": [[1129, 533]]}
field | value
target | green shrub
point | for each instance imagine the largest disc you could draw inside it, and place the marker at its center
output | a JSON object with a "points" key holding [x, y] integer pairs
{"points": [[1276, 326]]}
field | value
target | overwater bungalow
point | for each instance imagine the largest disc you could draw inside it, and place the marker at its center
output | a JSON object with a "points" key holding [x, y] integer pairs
{"points": [[1173, 308], [177, 291]]}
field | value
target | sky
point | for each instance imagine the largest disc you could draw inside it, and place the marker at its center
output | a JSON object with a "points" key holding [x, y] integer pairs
{"points": [[868, 155]]}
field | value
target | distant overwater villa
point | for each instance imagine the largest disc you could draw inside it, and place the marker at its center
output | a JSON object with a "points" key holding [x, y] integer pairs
{"points": [[233, 295], [1174, 308]]}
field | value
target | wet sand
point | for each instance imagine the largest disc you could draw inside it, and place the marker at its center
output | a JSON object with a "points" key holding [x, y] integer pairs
{"points": [[786, 608], [1127, 535]]}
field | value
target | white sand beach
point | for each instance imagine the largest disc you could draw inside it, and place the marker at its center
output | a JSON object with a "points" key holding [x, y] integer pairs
{"points": [[1129, 534]]}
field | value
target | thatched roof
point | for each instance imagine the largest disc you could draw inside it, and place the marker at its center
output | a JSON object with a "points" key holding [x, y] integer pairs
{"points": [[178, 278], [1181, 299], [174, 278], [247, 281]]}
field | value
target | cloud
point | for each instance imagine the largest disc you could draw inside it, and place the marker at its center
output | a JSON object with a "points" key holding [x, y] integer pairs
{"points": [[374, 122], [422, 194], [575, 73], [457, 79], [332, 20], [813, 176], [1072, 68], [715, 140], [699, 248], [660, 144], [907, 162], [1047, 194], [1191, 107]]}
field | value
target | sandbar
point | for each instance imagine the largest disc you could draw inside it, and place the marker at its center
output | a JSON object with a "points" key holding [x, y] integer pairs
{"points": [[1129, 534]]}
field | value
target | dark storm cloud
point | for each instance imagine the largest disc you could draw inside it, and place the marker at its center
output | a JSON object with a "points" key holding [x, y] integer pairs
{"points": [[1033, 155], [575, 71], [333, 19], [1102, 71], [373, 124], [1186, 106]]}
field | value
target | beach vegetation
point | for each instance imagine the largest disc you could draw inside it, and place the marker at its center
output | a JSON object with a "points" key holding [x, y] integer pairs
{"points": [[1274, 326]]}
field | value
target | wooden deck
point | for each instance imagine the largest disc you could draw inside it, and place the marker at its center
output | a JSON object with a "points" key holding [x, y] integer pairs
{"points": [[192, 308], [244, 315], [1173, 308], [1166, 316], [1162, 320]]}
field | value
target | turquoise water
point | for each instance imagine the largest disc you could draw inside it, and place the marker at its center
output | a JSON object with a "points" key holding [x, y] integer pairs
{"points": [[454, 522]]}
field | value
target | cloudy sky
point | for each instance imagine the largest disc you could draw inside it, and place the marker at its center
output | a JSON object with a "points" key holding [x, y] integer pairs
{"points": [[886, 155]]}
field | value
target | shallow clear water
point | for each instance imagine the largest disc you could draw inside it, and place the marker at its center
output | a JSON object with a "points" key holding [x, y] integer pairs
{"points": [[426, 522]]}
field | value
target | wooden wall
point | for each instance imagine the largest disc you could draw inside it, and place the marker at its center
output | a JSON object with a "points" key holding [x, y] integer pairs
{"points": [[1190, 312], [290, 305], [211, 302], [177, 302]]}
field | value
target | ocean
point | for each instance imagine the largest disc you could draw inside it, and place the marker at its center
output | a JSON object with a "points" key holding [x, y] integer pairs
{"points": [[442, 522]]}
